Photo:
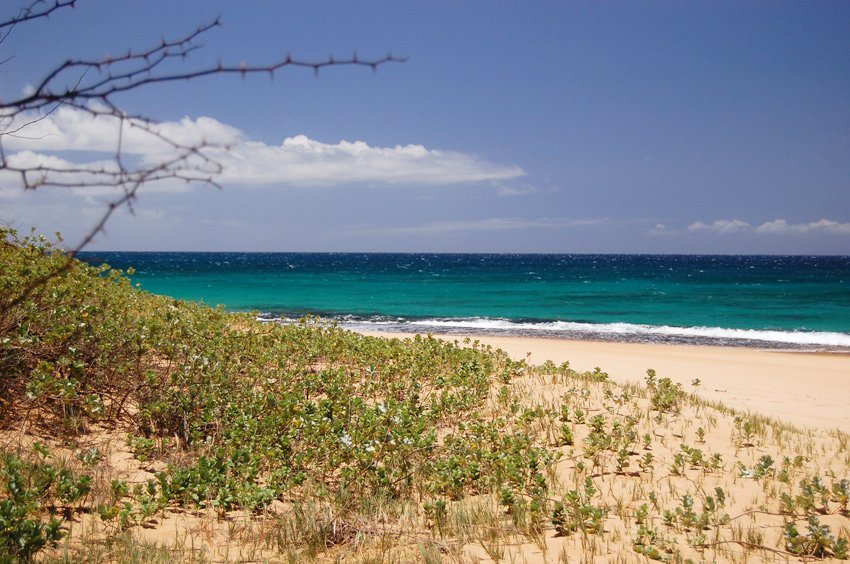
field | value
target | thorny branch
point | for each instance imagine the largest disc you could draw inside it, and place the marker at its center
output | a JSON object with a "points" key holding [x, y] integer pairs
{"points": [[36, 10], [90, 86]]}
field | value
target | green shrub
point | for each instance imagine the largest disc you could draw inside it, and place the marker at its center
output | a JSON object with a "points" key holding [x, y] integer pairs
{"points": [[26, 488]]}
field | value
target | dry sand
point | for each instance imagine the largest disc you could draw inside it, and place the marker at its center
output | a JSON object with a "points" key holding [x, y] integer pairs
{"points": [[807, 389]]}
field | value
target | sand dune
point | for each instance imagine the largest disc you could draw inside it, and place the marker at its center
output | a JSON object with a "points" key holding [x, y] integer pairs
{"points": [[809, 389]]}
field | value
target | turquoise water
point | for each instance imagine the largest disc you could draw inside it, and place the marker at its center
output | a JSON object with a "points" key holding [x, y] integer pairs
{"points": [[758, 300]]}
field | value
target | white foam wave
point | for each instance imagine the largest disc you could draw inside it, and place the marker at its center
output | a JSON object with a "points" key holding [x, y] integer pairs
{"points": [[629, 329]]}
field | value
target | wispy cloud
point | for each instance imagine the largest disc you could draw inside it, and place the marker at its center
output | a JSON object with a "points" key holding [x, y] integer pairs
{"points": [[780, 226], [661, 230], [297, 160], [722, 226], [522, 190], [775, 227]]}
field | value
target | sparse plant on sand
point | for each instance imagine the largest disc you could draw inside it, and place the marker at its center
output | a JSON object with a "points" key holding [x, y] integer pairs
{"points": [[665, 396]]}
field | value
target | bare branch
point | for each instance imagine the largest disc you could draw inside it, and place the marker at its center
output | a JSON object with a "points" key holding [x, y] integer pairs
{"points": [[33, 12], [136, 69], [89, 86]]}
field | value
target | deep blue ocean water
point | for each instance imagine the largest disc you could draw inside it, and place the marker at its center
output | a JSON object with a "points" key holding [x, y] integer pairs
{"points": [[780, 301]]}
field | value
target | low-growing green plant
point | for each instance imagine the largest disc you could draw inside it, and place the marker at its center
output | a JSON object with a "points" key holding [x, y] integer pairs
{"points": [[652, 544], [646, 462], [566, 438], [665, 396], [26, 488], [641, 514], [762, 468], [841, 494], [578, 416], [745, 431], [686, 517], [142, 447], [576, 511], [677, 467], [817, 541]]}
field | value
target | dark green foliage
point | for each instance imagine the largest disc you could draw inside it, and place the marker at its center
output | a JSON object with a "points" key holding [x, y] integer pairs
{"points": [[26, 487], [260, 412]]}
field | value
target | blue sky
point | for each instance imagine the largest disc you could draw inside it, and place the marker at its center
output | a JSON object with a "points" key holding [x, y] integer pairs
{"points": [[620, 127]]}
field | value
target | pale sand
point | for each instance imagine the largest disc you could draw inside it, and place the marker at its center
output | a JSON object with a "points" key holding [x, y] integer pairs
{"points": [[807, 389]]}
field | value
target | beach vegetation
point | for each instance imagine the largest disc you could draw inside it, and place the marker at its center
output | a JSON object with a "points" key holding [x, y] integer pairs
{"points": [[665, 395], [24, 527], [816, 541], [123, 413]]}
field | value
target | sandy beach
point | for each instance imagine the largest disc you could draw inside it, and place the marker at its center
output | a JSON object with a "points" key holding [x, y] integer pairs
{"points": [[807, 389]]}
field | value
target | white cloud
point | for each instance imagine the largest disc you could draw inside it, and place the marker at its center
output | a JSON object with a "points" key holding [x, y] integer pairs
{"points": [[35, 162], [775, 227], [781, 227], [661, 230], [87, 176], [304, 161], [298, 160], [70, 129], [722, 226]]}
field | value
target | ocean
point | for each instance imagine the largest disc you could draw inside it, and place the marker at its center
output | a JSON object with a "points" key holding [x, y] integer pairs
{"points": [[790, 302]]}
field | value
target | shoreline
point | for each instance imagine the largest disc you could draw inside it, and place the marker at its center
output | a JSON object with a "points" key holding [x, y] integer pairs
{"points": [[725, 337], [805, 388]]}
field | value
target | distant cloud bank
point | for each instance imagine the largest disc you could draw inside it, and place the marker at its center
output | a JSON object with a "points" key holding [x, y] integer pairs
{"points": [[298, 160], [775, 227]]}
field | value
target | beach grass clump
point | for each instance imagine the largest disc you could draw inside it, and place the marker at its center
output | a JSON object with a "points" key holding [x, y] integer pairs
{"points": [[124, 414]]}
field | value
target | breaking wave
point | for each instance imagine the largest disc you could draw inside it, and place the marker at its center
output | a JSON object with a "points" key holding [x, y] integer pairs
{"points": [[626, 332]]}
